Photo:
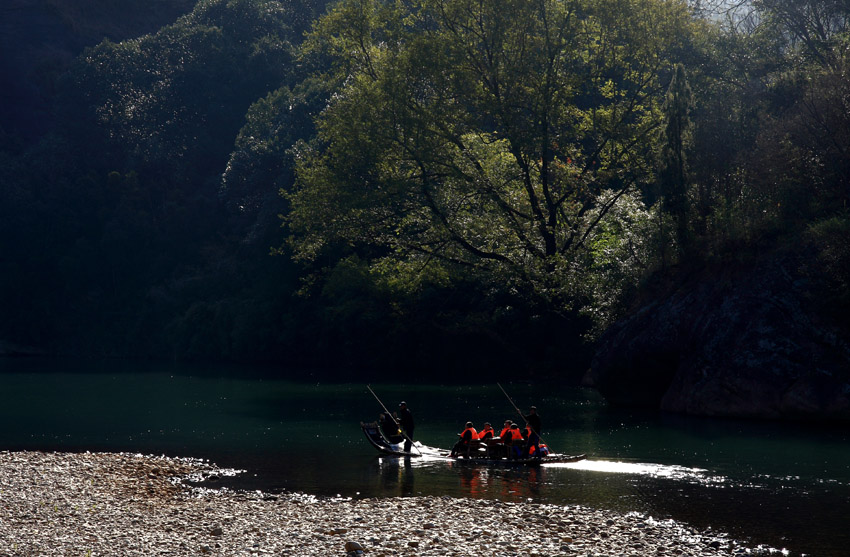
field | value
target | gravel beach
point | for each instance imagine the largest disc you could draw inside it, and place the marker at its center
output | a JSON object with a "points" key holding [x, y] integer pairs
{"points": [[59, 504]]}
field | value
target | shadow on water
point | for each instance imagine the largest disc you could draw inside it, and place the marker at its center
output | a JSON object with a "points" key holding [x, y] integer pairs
{"points": [[786, 486]]}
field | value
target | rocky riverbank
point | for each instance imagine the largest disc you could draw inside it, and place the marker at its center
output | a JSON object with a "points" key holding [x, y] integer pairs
{"points": [[131, 505]]}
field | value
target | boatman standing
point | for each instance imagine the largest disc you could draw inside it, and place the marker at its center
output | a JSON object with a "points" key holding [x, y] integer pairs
{"points": [[533, 421], [405, 418]]}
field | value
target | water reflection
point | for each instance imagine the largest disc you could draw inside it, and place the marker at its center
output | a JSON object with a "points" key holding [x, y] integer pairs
{"points": [[481, 481], [509, 482], [669, 472], [506, 484], [783, 484], [473, 481], [397, 475]]}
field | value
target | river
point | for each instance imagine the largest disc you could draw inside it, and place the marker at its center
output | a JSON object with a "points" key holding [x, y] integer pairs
{"points": [[783, 485]]}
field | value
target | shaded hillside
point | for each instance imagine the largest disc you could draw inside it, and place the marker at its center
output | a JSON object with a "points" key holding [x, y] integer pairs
{"points": [[765, 338], [109, 223], [40, 38]]}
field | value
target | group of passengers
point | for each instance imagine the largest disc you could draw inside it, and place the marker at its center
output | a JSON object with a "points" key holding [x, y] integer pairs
{"points": [[512, 442]]}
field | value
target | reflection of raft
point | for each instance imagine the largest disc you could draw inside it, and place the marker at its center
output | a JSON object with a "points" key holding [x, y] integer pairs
{"points": [[479, 451]]}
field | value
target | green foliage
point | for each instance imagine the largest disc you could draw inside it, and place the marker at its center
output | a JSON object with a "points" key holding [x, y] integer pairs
{"points": [[262, 161], [175, 99], [40, 39], [623, 250], [813, 28], [828, 268], [120, 234], [675, 182], [470, 181], [480, 134], [801, 160], [769, 148]]}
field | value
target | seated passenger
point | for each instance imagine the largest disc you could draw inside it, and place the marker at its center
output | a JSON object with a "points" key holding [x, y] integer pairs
{"points": [[515, 443], [505, 430], [487, 432], [466, 437]]}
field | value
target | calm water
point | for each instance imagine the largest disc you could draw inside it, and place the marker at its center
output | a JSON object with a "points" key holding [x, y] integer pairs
{"points": [[780, 485]]}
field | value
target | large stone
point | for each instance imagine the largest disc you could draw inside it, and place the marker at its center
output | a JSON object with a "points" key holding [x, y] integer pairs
{"points": [[737, 342]]}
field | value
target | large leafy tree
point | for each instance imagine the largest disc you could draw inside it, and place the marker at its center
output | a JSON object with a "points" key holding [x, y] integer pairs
{"points": [[770, 146], [813, 27], [492, 135]]}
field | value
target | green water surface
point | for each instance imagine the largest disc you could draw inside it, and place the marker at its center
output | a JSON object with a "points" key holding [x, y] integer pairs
{"points": [[787, 486]]}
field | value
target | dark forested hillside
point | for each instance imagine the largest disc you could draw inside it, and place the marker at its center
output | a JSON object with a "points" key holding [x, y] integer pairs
{"points": [[40, 38], [436, 185], [113, 225]]}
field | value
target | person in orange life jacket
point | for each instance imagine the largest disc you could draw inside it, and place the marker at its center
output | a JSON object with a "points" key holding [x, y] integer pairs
{"points": [[405, 419], [466, 436], [534, 425], [486, 435], [514, 442], [503, 435]]}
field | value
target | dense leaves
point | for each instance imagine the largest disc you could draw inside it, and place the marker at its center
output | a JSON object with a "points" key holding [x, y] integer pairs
{"points": [[119, 219], [465, 184], [673, 176], [488, 135]]}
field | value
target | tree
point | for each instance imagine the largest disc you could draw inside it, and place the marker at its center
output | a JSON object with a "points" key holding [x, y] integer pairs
{"points": [[483, 135], [174, 100], [674, 174], [262, 162], [815, 27], [770, 143], [138, 242]]}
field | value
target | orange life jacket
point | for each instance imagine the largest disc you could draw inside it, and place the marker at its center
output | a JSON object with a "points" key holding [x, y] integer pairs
{"points": [[485, 433], [505, 433], [471, 430], [513, 435], [544, 450]]}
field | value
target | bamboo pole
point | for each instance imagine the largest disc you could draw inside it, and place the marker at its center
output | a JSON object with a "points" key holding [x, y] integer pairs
{"points": [[390, 414]]}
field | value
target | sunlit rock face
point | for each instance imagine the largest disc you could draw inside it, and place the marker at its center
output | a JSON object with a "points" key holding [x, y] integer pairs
{"points": [[731, 341]]}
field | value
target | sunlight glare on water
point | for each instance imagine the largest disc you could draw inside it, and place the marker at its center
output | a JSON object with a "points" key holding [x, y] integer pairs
{"points": [[693, 475]]}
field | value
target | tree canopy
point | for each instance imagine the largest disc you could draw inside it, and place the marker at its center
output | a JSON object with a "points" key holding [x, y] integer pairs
{"points": [[487, 183], [487, 135]]}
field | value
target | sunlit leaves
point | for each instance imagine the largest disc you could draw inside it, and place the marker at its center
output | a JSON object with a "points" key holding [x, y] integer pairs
{"points": [[481, 133], [623, 246]]}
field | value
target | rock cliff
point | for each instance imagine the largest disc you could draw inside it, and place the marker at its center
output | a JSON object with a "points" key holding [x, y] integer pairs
{"points": [[736, 341]]}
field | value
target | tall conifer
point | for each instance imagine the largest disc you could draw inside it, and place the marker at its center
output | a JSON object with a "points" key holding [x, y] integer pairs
{"points": [[674, 167]]}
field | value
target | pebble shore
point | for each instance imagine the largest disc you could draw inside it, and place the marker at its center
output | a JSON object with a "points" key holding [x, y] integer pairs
{"points": [[87, 505]]}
